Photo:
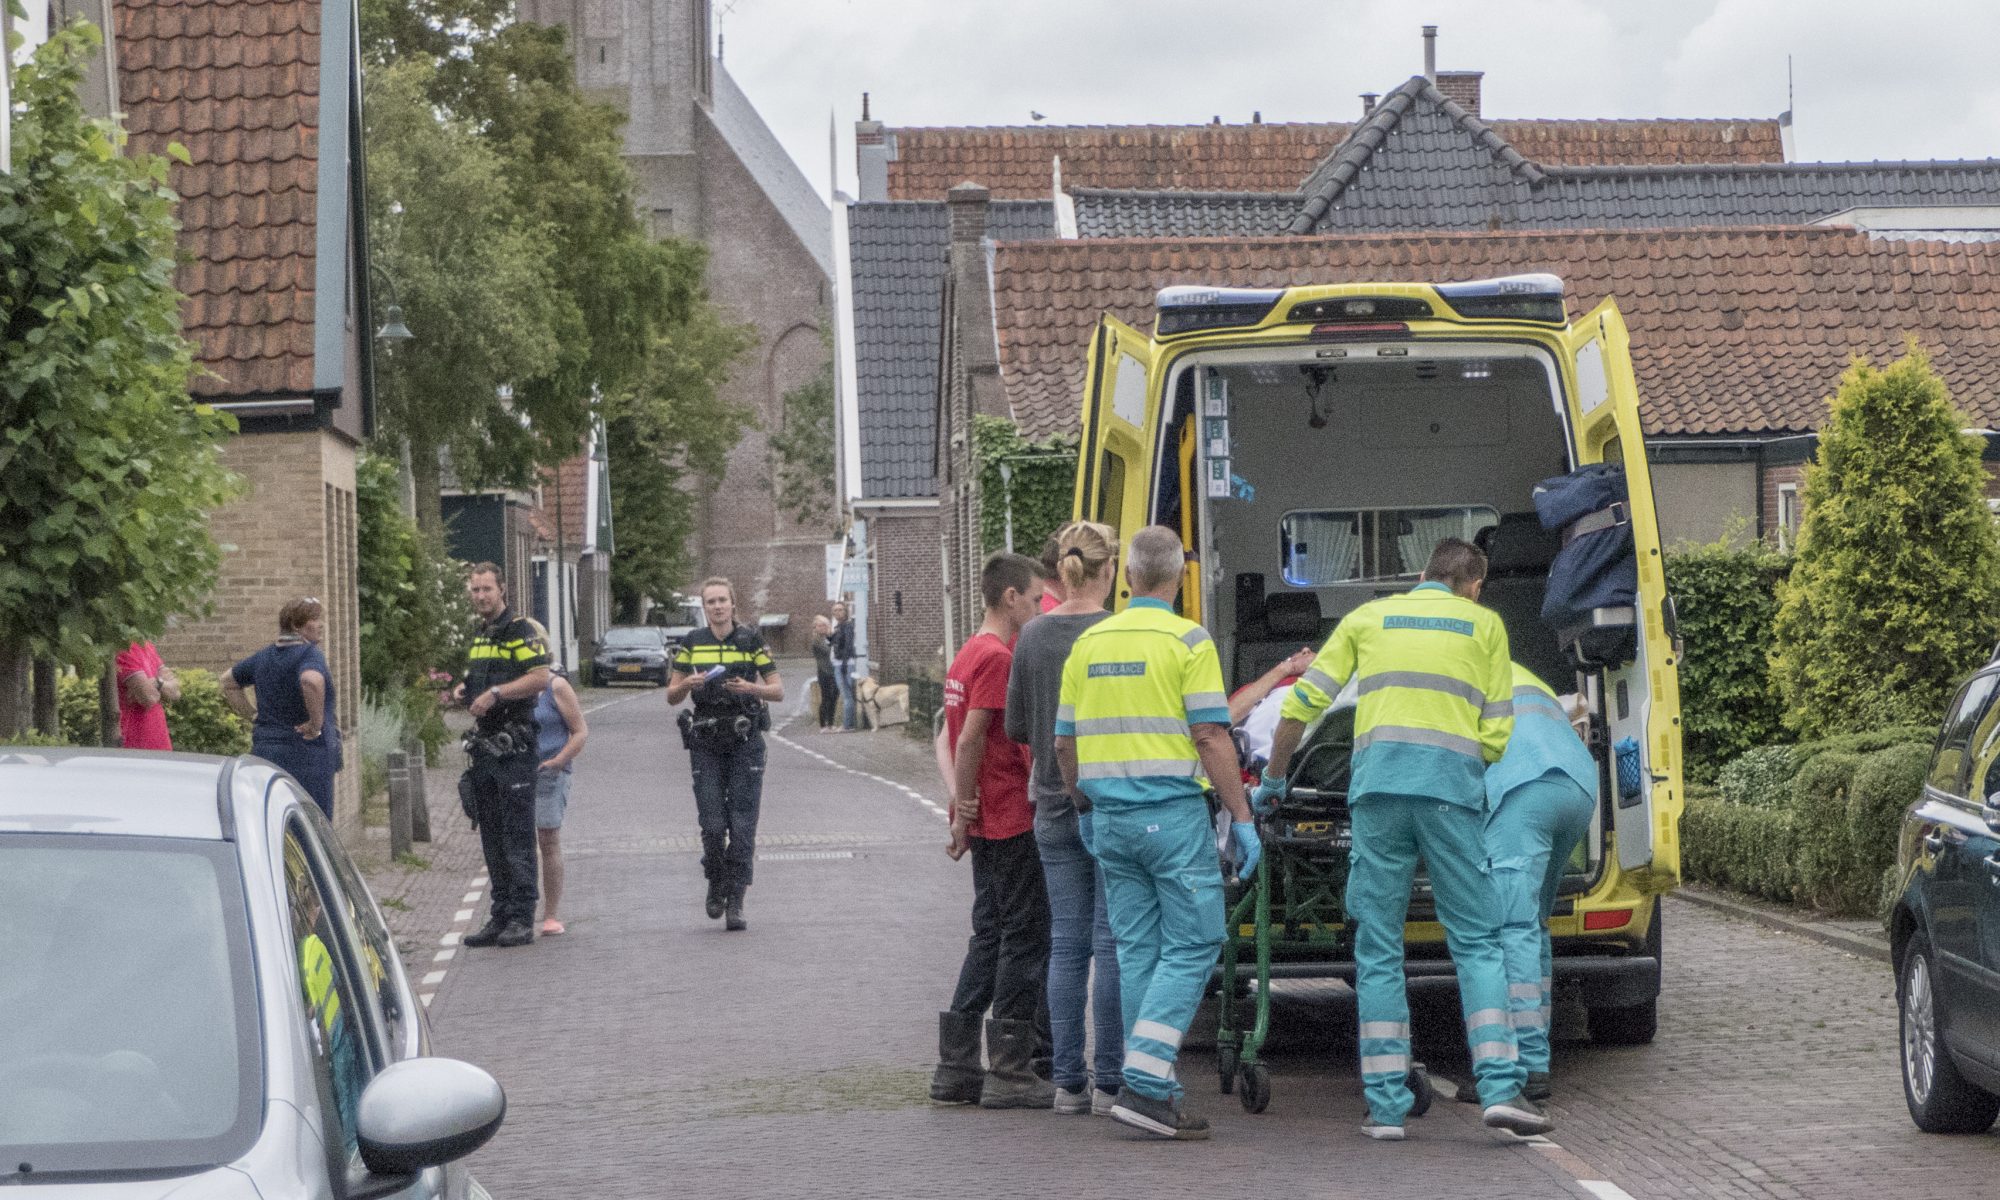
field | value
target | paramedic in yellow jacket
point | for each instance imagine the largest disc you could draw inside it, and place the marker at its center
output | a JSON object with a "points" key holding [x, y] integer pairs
{"points": [[1435, 706], [1142, 727]]}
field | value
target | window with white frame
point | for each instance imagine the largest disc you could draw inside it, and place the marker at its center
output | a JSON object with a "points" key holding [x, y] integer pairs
{"points": [[1789, 514]]}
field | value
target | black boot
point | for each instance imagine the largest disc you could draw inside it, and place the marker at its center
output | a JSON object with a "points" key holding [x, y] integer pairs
{"points": [[1011, 1081], [734, 907], [958, 1076], [486, 934], [715, 899]]}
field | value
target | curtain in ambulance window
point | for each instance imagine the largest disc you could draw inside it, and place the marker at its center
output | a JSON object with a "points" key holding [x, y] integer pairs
{"points": [[1321, 548]]}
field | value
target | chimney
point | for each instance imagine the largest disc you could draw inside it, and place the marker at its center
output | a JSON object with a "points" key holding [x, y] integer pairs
{"points": [[968, 203], [1257, 118], [1368, 100], [1462, 87], [1431, 53], [1785, 144], [874, 150]]}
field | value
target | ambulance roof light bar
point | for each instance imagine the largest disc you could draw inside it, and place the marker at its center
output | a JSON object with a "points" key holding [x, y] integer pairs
{"points": [[1185, 309], [1536, 297]]}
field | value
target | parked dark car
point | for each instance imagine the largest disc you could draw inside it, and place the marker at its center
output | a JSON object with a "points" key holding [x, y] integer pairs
{"points": [[1945, 927], [631, 654], [200, 997]]}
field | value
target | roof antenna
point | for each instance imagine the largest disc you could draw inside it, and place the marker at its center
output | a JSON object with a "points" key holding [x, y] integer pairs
{"points": [[1785, 118]]}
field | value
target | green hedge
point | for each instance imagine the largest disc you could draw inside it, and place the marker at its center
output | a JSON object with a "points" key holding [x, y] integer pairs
{"points": [[1725, 593], [1815, 824]]}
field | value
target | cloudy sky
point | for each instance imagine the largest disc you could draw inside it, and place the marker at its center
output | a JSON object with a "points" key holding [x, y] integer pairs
{"points": [[1872, 79]]}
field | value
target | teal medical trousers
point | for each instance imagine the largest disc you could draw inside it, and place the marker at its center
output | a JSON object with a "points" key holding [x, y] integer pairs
{"points": [[1529, 840], [1390, 833], [1163, 894]]}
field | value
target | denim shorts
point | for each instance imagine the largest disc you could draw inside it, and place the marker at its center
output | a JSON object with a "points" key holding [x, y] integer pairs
{"points": [[551, 798]]}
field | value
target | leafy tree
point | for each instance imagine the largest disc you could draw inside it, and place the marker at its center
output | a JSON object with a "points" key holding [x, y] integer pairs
{"points": [[475, 284], [107, 471], [1726, 594], [414, 615], [1039, 493], [1896, 590], [668, 432], [803, 449]]}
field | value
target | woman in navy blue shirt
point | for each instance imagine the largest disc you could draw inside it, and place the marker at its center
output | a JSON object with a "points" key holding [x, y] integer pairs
{"points": [[294, 689]]}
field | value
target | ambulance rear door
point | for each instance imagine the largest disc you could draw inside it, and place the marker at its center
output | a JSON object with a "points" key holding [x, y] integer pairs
{"points": [[1119, 411], [1642, 698]]}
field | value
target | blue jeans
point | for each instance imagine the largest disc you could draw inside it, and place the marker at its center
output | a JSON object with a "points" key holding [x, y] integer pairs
{"points": [[728, 789], [843, 677], [1079, 929], [1163, 893]]}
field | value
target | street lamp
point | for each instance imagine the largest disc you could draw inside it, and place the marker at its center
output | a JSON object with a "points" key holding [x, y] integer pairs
{"points": [[393, 329]]}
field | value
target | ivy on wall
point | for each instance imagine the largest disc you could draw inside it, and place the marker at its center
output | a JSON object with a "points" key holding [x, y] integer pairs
{"points": [[1037, 490]]}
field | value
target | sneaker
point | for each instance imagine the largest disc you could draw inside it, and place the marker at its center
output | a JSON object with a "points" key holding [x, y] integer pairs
{"points": [[1102, 1102], [736, 923], [485, 935], [517, 933], [1519, 1115], [1161, 1118], [1382, 1131], [715, 904], [1072, 1103], [1538, 1088]]}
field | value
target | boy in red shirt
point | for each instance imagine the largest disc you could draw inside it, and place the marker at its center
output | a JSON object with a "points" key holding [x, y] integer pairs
{"points": [[1006, 962], [144, 685]]}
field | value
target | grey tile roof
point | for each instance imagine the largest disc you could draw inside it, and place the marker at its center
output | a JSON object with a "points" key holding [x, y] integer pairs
{"points": [[1108, 212], [898, 253], [760, 152]]}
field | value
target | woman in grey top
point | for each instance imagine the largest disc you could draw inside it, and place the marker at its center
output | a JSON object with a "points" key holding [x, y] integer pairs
{"points": [[1078, 927]]}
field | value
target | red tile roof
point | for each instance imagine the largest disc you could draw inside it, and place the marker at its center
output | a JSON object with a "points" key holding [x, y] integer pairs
{"points": [[237, 83], [1014, 162], [1733, 331]]}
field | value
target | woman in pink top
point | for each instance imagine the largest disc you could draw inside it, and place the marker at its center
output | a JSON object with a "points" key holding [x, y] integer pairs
{"points": [[145, 687]]}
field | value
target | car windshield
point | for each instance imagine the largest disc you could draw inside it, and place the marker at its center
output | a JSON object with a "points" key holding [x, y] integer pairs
{"points": [[632, 637], [128, 1024]]}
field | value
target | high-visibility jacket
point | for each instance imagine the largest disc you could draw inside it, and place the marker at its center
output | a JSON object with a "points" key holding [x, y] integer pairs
{"points": [[1435, 694], [1543, 742], [1133, 687]]}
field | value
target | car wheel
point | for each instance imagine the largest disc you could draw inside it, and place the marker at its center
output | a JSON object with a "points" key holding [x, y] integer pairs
{"points": [[1940, 1099], [1627, 1025]]}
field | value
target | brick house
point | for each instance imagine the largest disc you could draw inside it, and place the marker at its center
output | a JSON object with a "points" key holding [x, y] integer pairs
{"points": [[710, 170], [265, 95]]}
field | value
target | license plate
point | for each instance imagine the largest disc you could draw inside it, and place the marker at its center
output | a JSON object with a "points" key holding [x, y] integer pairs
{"points": [[628, 668]]}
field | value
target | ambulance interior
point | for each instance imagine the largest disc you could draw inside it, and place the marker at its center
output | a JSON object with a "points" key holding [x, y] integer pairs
{"points": [[1338, 470]]}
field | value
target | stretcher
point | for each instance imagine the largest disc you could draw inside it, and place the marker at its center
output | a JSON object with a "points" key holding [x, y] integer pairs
{"points": [[1290, 919]]}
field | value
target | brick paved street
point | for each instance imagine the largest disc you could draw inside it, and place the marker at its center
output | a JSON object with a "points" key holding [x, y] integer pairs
{"points": [[648, 1053]]}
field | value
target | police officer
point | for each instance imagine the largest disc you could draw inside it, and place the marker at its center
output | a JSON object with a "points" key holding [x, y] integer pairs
{"points": [[1539, 797], [1142, 728], [732, 678], [507, 668], [1435, 706]]}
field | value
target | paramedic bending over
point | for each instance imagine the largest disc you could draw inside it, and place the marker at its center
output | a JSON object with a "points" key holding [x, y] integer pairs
{"points": [[1435, 705]]}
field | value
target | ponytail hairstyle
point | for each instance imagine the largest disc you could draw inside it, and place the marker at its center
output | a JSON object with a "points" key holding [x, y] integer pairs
{"points": [[1083, 550]]}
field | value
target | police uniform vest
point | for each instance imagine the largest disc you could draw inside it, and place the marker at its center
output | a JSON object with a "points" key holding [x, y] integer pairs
{"points": [[741, 655], [1543, 742], [502, 651], [1133, 687], [1435, 693]]}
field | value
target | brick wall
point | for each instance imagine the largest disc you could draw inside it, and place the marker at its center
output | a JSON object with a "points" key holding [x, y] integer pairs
{"points": [[906, 606], [290, 535]]}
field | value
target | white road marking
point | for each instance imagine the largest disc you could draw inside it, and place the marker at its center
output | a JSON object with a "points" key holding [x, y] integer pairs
{"points": [[449, 939], [463, 914], [620, 700], [936, 808], [426, 998], [1603, 1190], [444, 956], [433, 979], [479, 881], [472, 897]]}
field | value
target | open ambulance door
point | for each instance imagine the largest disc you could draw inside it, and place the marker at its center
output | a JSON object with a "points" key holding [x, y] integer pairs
{"points": [[1120, 408], [1641, 698]]}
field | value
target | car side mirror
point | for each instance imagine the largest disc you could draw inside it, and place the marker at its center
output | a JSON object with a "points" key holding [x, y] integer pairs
{"points": [[422, 1113]]}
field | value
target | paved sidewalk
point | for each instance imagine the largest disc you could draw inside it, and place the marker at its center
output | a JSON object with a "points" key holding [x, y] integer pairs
{"points": [[1856, 935]]}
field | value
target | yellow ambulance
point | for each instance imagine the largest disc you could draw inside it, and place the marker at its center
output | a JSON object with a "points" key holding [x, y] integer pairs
{"points": [[1312, 444]]}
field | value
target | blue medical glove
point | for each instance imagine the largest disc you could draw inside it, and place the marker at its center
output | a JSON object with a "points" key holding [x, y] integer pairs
{"points": [[1246, 848], [1265, 796]]}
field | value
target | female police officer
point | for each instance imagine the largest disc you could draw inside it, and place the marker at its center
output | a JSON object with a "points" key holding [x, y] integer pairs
{"points": [[731, 676]]}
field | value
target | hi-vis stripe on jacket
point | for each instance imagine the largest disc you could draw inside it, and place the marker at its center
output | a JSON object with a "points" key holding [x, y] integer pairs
{"points": [[1435, 693], [1133, 685]]}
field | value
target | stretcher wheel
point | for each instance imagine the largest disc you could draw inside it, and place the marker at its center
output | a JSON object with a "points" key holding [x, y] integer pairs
{"points": [[1419, 1082], [1256, 1093], [1225, 1068]]}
